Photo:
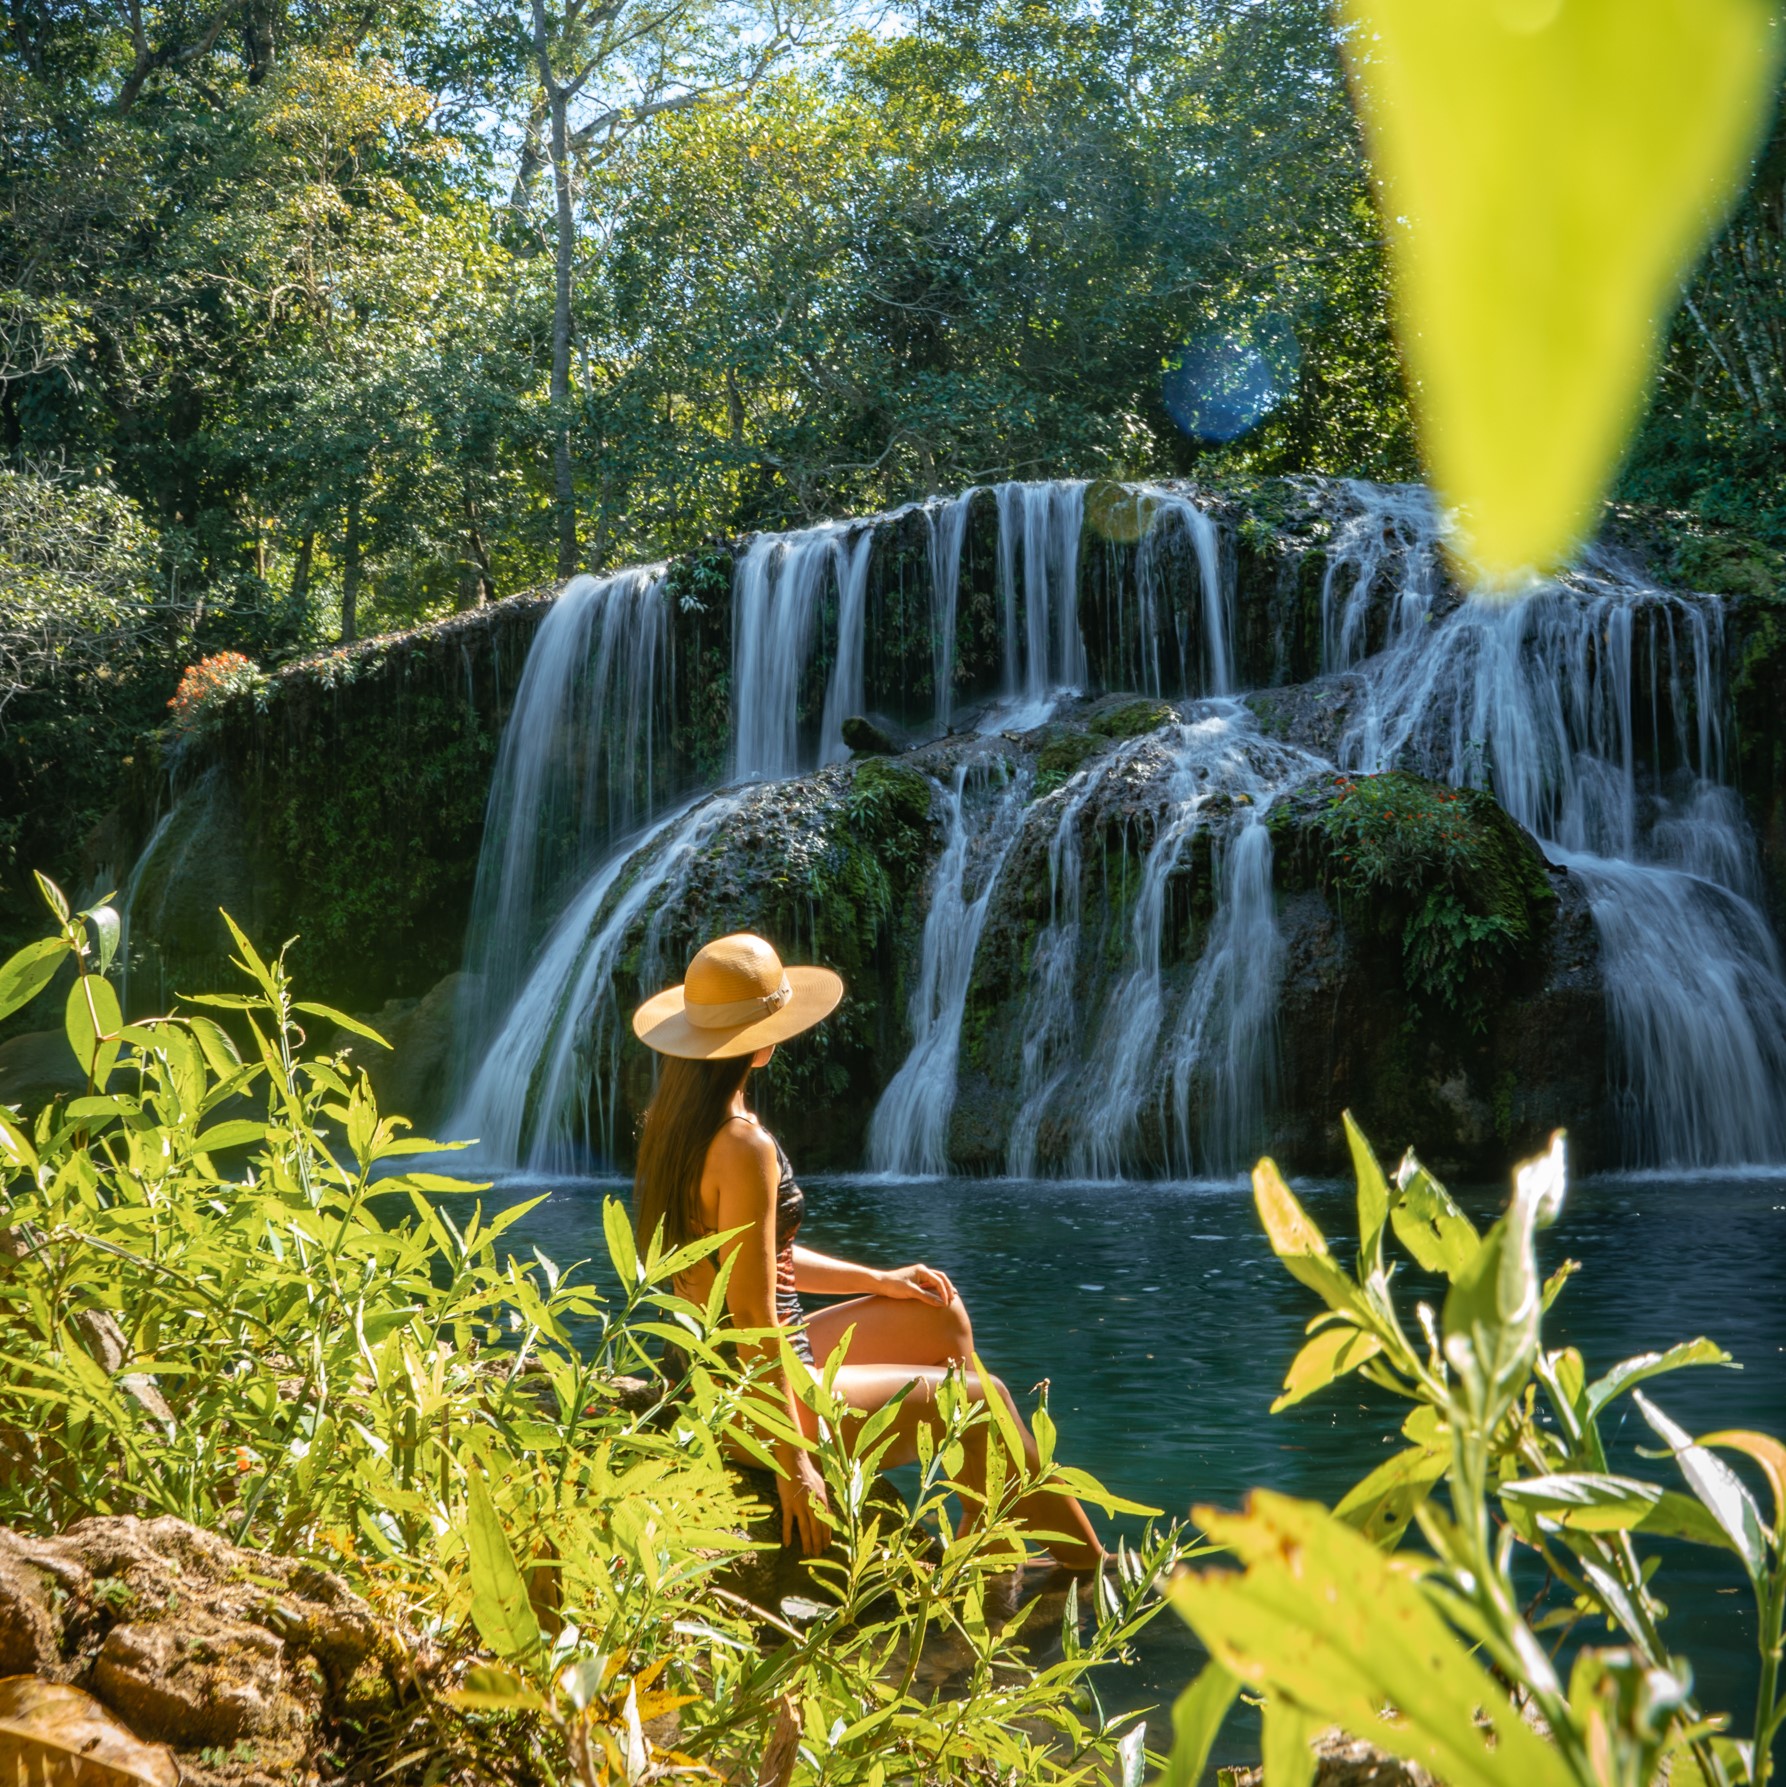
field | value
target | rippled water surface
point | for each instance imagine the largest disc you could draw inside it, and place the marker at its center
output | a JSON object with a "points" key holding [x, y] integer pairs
{"points": [[1164, 1327]]}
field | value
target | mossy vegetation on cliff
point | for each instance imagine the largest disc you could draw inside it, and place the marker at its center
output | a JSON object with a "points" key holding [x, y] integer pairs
{"points": [[1444, 872]]}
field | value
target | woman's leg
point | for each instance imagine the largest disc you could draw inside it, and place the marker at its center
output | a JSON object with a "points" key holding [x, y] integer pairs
{"points": [[894, 1331], [881, 1363]]}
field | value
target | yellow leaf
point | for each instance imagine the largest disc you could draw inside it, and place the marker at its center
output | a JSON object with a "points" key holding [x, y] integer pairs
{"points": [[56, 1736], [1332, 1353], [1767, 1452], [1548, 171]]}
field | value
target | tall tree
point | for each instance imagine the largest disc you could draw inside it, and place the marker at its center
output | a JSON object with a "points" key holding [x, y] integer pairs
{"points": [[605, 69]]}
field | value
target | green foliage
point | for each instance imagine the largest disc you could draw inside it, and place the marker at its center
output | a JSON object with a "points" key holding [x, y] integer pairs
{"points": [[1445, 871], [236, 1292], [1398, 1651]]}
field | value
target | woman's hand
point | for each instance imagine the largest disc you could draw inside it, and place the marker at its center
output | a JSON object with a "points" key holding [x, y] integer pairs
{"points": [[923, 1284], [805, 1508]]}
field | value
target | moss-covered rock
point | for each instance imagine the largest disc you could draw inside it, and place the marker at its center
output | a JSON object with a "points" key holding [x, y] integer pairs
{"points": [[1126, 718], [1444, 877]]}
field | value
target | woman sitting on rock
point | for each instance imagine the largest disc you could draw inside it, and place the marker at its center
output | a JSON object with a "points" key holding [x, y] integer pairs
{"points": [[707, 1166]]}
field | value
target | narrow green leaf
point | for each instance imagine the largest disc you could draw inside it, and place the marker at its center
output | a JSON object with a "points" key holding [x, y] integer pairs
{"points": [[1373, 1198], [1597, 1502], [92, 1021], [617, 1227], [24, 975], [500, 1608], [1197, 1716], [1631, 1372], [219, 1051], [53, 897], [1428, 1222], [1287, 1744], [340, 1020], [103, 922], [1382, 1505], [15, 1148], [250, 957], [233, 1134], [1717, 1486], [1297, 1240]]}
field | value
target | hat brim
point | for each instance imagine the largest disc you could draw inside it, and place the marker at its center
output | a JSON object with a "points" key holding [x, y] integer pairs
{"points": [[661, 1023]]}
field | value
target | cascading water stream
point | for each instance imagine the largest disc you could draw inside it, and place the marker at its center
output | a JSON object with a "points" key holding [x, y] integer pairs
{"points": [[909, 1132], [577, 768], [1590, 708], [781, 582], [945, 527], [1220, 779], [1038, 528], [565, 1029]]}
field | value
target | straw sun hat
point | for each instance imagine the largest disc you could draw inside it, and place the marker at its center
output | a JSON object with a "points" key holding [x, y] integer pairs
{"points": [[736, 999]]}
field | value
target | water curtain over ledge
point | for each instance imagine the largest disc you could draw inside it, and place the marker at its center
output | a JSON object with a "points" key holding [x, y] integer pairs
{"points": [[1592, 709], [1092, 935]]}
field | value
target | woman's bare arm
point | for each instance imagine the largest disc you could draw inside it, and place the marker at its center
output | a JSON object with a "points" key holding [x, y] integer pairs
{"points": [[825, 1276]]}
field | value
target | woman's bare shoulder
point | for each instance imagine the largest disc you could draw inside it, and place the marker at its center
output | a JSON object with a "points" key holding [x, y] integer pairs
{"points": [[742, 1151]]}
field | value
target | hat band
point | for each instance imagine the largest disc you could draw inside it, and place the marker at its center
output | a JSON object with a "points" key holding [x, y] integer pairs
{"points": [[738, 1011]]}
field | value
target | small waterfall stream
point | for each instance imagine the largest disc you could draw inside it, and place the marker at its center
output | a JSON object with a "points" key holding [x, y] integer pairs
{"points": [[575, 770], [909, 1133]]}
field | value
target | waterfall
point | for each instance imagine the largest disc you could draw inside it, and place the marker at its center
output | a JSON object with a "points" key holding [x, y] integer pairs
{"points": [[562, 1034], [945, 527], [781, 581], [909, 1132], [1591, 708], [1220, 778], [1162, 506], [577, 767], [127, 901], [1044, 654]]}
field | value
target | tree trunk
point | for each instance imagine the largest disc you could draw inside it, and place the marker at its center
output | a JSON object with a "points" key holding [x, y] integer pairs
{"points": [[260, 47], [564, 487], [476, 583], [300, 571], [350, 569]]}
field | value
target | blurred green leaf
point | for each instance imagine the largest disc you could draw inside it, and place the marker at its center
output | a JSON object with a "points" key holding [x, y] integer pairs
{"points": [[1428, 1222], [1324, 1619], [1330, 1354], [1197, 1716], [25, 974], [1717, 1486], [1549, 170], [1286, 1744], [500, 1608], [1631, 1372]]}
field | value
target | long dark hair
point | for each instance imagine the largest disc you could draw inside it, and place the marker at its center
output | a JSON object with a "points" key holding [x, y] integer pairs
{"points": [[685, 1114]]}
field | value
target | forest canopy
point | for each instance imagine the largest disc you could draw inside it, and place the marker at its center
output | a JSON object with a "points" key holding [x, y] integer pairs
{"points": [[321, 319]]}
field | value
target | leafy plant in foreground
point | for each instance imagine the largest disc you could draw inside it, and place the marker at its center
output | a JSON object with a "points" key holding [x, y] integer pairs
{"points": [[232, 1290], [1433, 1658]]}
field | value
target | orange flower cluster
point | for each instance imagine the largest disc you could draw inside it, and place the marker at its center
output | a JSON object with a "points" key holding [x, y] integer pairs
{"points": [[203, 681]]}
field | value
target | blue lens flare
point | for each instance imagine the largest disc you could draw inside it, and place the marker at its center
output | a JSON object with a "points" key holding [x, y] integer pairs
{"points": [[1225, 382]]}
